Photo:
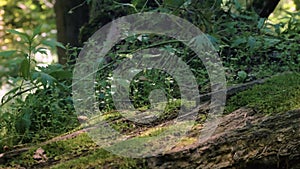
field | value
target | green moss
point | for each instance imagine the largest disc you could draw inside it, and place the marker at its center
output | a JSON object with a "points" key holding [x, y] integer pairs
{"points": [[82, 152], [60, 150], [64, 150], [153, 132], [100, 158], [279, 93], [79, 152], [112, 116]]}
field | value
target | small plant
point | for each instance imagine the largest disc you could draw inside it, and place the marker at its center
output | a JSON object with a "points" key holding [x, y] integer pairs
{"points": [[40, 104]]}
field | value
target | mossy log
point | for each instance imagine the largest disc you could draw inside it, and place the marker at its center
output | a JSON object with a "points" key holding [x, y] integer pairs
{"points": [[243, 139]]}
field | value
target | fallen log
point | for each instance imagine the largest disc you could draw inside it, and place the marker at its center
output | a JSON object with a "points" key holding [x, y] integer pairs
{"points": [[244, 139]]}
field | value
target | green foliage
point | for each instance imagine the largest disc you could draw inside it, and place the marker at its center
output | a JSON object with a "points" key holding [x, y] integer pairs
{"points": [[24, 16], [250, 48], [146, 80], [27, 69], [40, 104], [253, 48]]}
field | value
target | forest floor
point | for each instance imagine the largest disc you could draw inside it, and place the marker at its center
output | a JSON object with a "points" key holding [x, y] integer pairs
{"points": [[254, 112]]}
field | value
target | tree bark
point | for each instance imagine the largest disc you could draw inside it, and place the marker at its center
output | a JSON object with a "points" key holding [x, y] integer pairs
{"points": [[297, 3], [264, 8], [101, 13], [68, 23], [244, 140]]}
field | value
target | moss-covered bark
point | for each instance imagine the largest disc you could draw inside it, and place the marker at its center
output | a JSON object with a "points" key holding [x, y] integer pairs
{"points": [[243, 140]]}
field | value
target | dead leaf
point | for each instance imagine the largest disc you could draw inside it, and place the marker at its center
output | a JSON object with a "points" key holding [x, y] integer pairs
{"points": [[40, 155]]}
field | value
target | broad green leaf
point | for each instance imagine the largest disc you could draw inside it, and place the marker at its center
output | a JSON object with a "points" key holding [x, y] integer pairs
{"points": [[40, 50], [36, 31], [24, 36], [214, 41], [269, 42], [35, 75], [277, 28], [238, 42], [61, 74], [261, 23], [5, 117], [8, 53], [24, 121], [246, 17], [251, 42], [53, 43], [12, 31], [26, 118], [237, 4], [242, 75], [25, 68], [46, 79]]}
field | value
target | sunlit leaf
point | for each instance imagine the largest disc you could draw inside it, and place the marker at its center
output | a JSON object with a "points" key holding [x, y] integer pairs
{"points": [[24, 36], [40, 50], [46, 79], [53, 43], [37, 31], [7, 53]]}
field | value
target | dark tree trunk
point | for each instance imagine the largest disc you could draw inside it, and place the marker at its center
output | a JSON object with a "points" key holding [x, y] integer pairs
{"points": [[264, 8], [101, 13], [69, 23], [297, 3]]}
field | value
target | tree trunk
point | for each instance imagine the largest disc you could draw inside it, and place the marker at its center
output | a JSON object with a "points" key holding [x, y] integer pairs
{"points": [[264, 8], [101, 13], [297, 3], [71, 15]]}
